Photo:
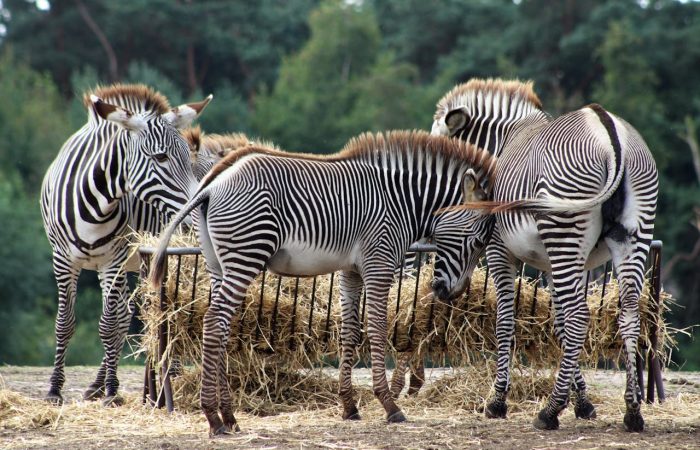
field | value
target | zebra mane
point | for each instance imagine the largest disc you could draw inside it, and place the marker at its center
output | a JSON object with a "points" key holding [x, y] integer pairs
{"points": [[126, 95], [477, 93], [219, 145], [371, 147]]}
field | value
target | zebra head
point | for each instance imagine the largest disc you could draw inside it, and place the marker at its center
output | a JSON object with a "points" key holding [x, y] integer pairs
{"points": [[460, 236], [156, 165]]}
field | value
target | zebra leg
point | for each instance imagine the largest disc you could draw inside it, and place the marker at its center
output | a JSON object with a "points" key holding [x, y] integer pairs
{"points": [[96, 390], [417, 377], [377, 285], [567, 266], [398, 378], [629, 259], [502, 266], [114, 324], [350, 291], [67, 281], [583, 408]]}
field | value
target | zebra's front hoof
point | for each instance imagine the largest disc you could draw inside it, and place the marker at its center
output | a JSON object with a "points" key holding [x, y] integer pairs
{"points": [[546, 421], [496, 409], [94, 392], [397, 417], [584, 409], [54, 398], [113, 401], [633, 419]]}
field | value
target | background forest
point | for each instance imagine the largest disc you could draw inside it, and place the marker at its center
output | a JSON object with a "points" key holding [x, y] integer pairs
{"points": [[308, 75]]}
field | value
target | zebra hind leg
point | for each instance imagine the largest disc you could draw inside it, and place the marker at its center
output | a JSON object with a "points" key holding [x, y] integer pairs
{"points": [[629, 264], [398, 378], [583, 408], [66, 280], [350, 291]]}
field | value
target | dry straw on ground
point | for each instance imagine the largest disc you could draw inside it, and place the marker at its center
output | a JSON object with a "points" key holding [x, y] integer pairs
{"points": [[282, 335]]}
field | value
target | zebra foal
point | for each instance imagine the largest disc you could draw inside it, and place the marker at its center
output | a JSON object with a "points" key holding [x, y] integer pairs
{"points": [[568, 195], [126, 168], [357, 211]]}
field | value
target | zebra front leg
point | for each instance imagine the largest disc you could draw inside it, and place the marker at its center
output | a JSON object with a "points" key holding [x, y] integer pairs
{"points": [[350, 291], [377, 284], [583, 408], [113, 327], [66, 280], [502, 266]]}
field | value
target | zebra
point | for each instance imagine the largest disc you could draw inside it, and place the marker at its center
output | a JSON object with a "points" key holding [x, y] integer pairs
{"points": [[127, 167], [356, 211], [569, 194]]}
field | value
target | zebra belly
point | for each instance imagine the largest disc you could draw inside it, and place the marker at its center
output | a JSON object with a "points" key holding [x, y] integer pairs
{"points": [[525, 244], [299, 259]]}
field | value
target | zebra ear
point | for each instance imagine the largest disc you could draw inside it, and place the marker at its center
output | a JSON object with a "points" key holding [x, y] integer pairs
{"points": [[456, 120], [471, 189], [183, 115], [117, 114]]}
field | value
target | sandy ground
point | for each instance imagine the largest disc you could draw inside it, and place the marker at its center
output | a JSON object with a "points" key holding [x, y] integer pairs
{"points": [[28, 423]]}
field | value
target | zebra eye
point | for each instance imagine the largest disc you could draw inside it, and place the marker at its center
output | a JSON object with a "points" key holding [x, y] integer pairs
{"points": [[160, 157]]}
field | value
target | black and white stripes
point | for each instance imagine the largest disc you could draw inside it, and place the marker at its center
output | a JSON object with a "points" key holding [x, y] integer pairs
{"points": [[127, 167], [581, 189], [357, 211]]}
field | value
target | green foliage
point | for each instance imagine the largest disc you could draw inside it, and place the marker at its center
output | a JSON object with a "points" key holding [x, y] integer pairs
{"points": [[32, 121], [309, 75]]}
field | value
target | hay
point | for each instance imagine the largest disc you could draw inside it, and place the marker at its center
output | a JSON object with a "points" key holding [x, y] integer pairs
{"points": [[271, 367]]}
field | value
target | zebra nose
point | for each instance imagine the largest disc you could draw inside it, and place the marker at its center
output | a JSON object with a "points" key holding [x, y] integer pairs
{"points": [[440, 289]]}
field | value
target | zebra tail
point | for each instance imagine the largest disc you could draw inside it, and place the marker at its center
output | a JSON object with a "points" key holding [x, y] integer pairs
{"points": [[616, 172], [159, 257]]}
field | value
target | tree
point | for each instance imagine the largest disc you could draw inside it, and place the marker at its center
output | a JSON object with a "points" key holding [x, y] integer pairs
{"points": [[339, 85]]}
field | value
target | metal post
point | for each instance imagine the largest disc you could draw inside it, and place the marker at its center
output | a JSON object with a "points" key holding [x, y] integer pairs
{"points": [[398, 306], [166, 399], [655, 378]]}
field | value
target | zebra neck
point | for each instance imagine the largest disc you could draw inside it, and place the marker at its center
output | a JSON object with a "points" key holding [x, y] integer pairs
{"points": [[104, 183]]}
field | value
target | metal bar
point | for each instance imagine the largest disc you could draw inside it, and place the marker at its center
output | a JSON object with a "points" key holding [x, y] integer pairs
{"points": [[398, 305], [166, 399], [415, 300], [328, 315], [292, 327], [639, 361], [260, 305], [273, 324], [148, 250], [143, 274], [311, 310], [655, 378], [533, 308]]}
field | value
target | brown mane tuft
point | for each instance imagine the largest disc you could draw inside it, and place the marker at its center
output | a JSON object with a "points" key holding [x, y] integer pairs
{"points": [[152, 100], [366, 146], [515, 89]]}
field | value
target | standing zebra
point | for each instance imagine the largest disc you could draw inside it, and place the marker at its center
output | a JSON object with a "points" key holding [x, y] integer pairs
{"points": [[582, 189], [357, 211], [128, 166]]}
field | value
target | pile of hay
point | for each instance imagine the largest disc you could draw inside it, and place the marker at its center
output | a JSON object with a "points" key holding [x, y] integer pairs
{"points": [[271, 368]]}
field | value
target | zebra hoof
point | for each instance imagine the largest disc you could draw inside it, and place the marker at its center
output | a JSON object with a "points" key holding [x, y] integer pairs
{"points": [[94, 392], [54, 398], [113, 400], [351, 413], [223, 431], [585, 410], [497, 409], [545, 421], [633, 421], [397, 417]]}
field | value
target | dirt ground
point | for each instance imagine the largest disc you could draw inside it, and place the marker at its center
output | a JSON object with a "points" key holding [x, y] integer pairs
{"points": [[27, 423]]}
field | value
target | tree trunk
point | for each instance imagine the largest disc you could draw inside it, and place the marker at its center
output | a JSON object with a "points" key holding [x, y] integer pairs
{"points": [[90, 22]]}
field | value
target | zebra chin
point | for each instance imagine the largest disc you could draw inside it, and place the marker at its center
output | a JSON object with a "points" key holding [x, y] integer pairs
{"points": [[445, 295]]}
